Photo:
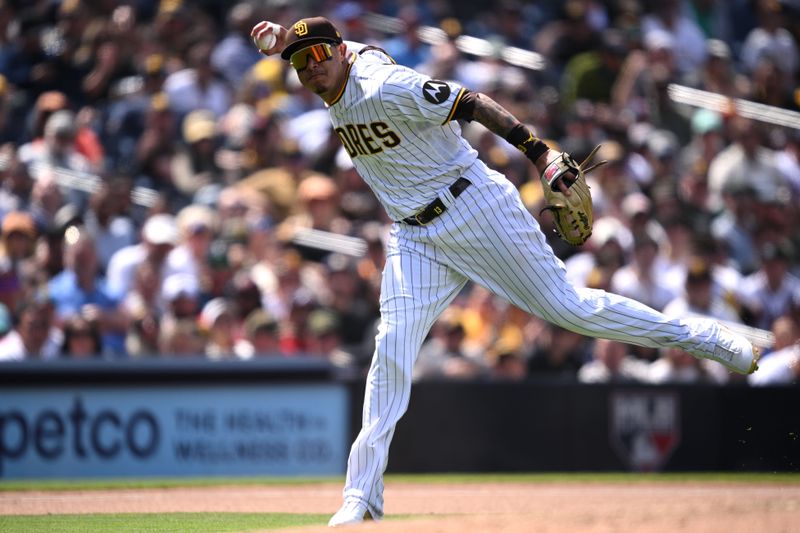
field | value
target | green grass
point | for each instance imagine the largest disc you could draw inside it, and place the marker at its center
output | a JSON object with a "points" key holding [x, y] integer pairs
{"points": [[580, 477], [157, 523]]}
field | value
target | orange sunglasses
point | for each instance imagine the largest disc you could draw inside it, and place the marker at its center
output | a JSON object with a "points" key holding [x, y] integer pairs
{"points": [[320, 52]]}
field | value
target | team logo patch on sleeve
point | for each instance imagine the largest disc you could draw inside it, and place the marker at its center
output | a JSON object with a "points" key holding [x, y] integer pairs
{"points": [[435, 91]]}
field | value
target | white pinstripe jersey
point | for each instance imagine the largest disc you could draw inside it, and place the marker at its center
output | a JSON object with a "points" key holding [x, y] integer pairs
{"points": [[397, 126]]}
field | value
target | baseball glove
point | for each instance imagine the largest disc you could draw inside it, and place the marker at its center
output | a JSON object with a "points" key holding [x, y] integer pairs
{"points": [[573, 214]]}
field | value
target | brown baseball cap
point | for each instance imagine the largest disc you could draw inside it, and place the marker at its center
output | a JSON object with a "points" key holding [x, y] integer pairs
{"points": [[308, 31]]}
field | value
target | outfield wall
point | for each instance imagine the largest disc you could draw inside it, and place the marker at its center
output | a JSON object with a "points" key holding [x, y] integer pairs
{"points": [[545, 426], [297, 417]]}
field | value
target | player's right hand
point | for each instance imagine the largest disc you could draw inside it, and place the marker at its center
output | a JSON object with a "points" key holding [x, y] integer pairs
{"points": [[264, 28]]}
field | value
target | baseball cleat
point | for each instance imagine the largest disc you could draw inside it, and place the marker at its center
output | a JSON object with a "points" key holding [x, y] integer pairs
{"points": [[735, 352], [350, 514]]}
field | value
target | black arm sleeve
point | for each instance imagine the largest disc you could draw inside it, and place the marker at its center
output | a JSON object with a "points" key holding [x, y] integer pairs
{"points": [[464, 108]]}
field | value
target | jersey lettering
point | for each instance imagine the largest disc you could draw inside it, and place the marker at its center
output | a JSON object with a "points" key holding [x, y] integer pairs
{"points": [[351, 151], [353, 133], [358, 141], [388, 138], [368, 140]]}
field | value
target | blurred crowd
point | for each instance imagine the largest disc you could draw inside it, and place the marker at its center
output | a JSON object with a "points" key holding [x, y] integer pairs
{"points": [[167, 191]]}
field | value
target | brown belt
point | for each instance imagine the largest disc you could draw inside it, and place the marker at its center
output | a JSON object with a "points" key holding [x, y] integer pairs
{"points": [[437, 207]]}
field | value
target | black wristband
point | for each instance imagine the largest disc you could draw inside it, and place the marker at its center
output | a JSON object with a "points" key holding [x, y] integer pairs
{"points": [[526, 142]]}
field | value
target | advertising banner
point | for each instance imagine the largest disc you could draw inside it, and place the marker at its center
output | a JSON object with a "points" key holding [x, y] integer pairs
{"points": [[192, 430]]}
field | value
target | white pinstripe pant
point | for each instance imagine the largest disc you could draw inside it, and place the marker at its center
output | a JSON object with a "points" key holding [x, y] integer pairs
{"points": [[486, 236]]}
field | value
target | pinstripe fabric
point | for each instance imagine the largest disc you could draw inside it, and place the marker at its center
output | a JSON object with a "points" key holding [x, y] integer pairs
{"points": [[415, 290], [430, 156], [486, 235]]}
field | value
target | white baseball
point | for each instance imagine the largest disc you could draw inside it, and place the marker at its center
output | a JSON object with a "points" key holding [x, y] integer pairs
{"points": [[265, 41]]}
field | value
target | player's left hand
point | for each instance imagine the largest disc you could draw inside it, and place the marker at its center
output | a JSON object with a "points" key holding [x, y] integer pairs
{"points": [[567, 196]]}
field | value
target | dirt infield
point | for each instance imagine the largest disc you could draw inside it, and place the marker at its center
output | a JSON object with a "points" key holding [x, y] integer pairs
{"points": [[471, 507]]}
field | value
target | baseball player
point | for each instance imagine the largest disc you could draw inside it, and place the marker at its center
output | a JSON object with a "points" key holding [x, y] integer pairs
{"points": [[456, 220]]}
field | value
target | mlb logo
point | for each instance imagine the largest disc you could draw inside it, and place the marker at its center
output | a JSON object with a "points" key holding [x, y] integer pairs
{"points": [[644, 427]]}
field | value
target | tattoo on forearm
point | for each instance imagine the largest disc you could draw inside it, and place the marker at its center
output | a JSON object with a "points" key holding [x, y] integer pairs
{"points": [[493, 115]]}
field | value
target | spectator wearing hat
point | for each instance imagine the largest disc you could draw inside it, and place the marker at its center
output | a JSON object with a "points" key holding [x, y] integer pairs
{"points": [[46, 104], [79, 290], [195, 165], [769, 292], [261, 336], [197, 227], [324, 338], [180, 297], [57, 152], [197, 86], [318, 196], [18, 234], [707, 139], [86, 142], [217, 321], [57, 147], [159, 236]]}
